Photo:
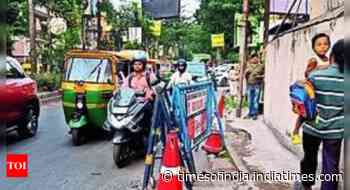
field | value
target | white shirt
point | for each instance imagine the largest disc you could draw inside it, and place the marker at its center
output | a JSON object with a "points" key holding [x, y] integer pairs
{"points": [[178, 78], [320, 62]]}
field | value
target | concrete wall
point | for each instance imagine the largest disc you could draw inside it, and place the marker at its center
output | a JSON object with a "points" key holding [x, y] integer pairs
{"points": [[286, 63], [319, 7]]}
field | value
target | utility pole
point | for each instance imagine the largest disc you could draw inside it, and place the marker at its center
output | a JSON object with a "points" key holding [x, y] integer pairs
{"points": [[243, 54], [32, 36], [266, 22], [85, 6], [99, 27]]}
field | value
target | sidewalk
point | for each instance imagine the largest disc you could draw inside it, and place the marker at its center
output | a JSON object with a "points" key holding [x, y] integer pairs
{"points": [[259, 151]]}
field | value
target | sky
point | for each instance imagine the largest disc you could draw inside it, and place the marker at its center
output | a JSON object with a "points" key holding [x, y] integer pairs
{"points": [[190, 6]]}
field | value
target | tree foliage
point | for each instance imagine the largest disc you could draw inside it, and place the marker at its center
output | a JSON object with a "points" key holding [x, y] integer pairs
{"points": [[217, 16]]}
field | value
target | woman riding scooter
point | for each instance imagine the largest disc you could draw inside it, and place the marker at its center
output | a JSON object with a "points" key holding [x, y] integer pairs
{"points": [[140, 80], [130, 112]]}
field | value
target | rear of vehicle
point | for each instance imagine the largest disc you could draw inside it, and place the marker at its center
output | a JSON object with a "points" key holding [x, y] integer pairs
{"points": [[222, 74], [19, 102]]}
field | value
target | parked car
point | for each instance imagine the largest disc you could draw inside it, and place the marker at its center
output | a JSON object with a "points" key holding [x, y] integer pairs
{"points": [[222, 74], [19, 101]]}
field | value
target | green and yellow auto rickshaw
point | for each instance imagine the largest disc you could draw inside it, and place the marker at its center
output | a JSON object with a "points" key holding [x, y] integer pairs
{"points": [[88, 83], [89, 79]]}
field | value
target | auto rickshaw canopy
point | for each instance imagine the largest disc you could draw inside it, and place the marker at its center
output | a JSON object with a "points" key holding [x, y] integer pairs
{"points": [[131, 54]]}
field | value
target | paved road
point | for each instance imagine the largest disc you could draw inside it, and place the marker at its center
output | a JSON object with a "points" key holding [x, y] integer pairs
{"points": [[55, 164]]}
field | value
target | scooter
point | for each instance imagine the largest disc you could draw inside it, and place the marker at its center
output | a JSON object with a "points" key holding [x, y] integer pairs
{"points": [[126, 119]]}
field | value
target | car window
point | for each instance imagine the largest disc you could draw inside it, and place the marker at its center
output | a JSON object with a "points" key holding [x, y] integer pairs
{"points": [[12, 71]]}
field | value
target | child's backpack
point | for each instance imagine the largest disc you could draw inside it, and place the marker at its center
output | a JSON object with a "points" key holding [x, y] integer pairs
{"points": [[302, 94]]}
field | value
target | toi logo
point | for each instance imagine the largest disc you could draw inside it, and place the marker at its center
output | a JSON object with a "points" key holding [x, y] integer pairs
{"points": [[17, 165]]}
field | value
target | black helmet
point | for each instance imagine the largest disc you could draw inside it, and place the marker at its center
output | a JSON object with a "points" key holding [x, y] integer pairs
{"points": [[142, 60], [183, 63]]}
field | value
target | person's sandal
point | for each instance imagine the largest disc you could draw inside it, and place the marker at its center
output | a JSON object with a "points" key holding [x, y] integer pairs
{"points": [[296, 139]]}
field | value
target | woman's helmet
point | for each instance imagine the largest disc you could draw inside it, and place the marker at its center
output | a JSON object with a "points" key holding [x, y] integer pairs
{"points": [[141, 57]]}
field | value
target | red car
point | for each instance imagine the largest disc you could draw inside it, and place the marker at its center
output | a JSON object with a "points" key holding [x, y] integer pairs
{"points": [[19, 103]]}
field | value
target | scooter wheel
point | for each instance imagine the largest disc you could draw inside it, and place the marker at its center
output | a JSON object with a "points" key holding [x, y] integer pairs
{"points": [[76, 137], [118, 155]]}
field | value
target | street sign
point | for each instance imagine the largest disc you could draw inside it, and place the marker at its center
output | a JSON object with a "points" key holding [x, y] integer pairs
{"points": [[218, 40], [57, 26], [135, 34]]}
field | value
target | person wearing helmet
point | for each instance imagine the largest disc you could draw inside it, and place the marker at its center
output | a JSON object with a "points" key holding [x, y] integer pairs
{"points": [[140, 79], [181, 76]]}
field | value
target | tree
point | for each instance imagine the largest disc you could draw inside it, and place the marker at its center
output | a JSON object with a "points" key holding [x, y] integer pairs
{"points": [[217, 16], [54, 47], [17, 21]]}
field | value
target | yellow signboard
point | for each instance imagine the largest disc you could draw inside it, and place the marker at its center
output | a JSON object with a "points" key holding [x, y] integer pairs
{"points": [[218, 40], [156, 28]]}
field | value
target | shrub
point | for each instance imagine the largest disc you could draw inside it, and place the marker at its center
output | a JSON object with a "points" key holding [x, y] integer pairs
{"points": [[47, 81], [231, 103]]}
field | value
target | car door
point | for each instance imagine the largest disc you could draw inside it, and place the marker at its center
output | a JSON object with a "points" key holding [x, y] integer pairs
{"points": [[13, 95]]}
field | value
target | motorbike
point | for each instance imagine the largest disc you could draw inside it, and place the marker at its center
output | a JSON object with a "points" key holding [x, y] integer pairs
{"points": [[126, 119]]}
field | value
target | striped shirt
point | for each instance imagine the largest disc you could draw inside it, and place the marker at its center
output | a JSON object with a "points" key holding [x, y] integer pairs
{"points": [[329, 88]]}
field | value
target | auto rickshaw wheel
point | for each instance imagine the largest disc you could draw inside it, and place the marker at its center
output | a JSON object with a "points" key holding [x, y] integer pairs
{"points": [[76, 137]]}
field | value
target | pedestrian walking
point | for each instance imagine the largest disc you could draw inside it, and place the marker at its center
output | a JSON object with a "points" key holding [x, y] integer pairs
{"points": [[320, 45], [328, 128]]}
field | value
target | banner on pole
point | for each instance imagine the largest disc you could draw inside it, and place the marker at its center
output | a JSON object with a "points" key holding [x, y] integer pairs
{"points": [[156, 28]]}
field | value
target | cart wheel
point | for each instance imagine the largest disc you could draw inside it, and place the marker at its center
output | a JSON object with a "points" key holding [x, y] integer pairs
{"points": [[76, 137]]}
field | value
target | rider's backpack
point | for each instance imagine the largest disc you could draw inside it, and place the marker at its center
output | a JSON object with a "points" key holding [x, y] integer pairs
{"points": [[302, 95]]}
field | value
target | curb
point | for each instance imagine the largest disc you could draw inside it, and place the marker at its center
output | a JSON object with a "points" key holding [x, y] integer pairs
{"points": [[237, 161], [234, 156], [285, 142], [48, 97]]}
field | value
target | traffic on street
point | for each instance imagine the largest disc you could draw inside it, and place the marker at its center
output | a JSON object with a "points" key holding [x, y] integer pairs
{"points": [[173, 95]]}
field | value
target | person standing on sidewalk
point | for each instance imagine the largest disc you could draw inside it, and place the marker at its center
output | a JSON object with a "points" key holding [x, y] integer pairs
{"points": [[328, 127], [254, 76], [233, 77]]}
